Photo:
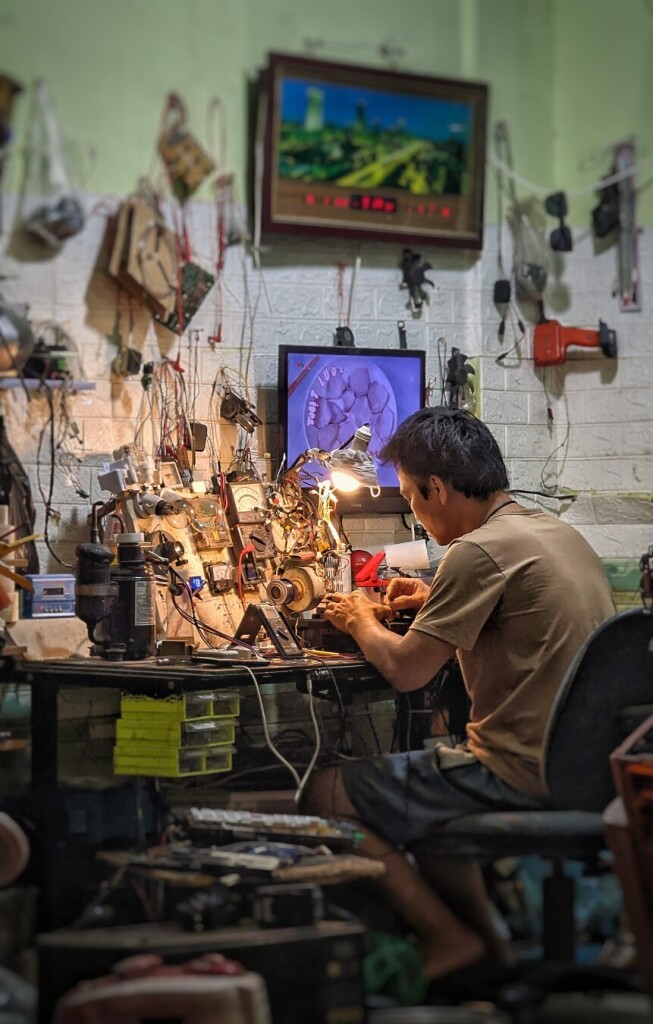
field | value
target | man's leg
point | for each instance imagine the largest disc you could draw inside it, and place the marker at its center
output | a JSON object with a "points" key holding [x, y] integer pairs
{"points": [[462, 887], [446, 944]]}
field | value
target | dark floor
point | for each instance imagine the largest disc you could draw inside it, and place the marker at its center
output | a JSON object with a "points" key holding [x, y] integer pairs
{"points": [[609, 1009]]}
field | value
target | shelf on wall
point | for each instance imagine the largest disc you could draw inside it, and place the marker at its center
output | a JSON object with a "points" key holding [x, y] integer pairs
{"points": [[34, 385]]}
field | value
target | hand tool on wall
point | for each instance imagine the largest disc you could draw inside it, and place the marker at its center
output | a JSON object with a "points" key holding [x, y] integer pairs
{"points": [[551, 340], [615, 220]]}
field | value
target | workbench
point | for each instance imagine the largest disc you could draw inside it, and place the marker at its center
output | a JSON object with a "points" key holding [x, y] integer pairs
{"points": [[156, 678]]}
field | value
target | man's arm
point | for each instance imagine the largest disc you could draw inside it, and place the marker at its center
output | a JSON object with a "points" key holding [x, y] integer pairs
{"points": [[407, 662]]}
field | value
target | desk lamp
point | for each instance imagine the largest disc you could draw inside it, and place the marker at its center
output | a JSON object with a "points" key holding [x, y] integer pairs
{"points": [[349, 467], [352, 466]]}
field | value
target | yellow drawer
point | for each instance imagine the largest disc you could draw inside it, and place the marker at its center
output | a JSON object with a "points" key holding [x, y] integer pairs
{"points": [[176, 764], [183, 707], [199, 732]]}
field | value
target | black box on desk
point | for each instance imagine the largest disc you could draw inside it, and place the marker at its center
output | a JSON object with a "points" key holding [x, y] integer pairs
{"points": [[313, 973], [317, 632]]}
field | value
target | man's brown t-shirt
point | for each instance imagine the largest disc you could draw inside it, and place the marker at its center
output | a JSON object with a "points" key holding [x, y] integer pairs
{"points": [[517, 598]]}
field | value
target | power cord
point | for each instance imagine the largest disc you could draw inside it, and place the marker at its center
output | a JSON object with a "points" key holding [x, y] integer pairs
{"points": [[318, 741], [300, 783], [182, 587], [266, 732]]}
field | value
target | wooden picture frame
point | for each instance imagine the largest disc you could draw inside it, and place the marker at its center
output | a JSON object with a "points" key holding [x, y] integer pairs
{"points": [[353, 151]]}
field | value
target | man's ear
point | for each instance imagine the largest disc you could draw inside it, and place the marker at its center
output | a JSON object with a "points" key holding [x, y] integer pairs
{"points": [[439, 487]]}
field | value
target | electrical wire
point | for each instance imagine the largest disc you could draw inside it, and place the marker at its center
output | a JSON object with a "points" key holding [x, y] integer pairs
{"points": [[516, 347], [597, 186], [502, 139], [48, 501], [565, 441], [203, 628], [199, 624], [442, 362], [543, 494], [266, 732], [318, 741], [344, 710]]}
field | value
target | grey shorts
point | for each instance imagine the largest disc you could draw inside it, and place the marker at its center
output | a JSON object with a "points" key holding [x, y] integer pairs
{"points": [[403, 797]]}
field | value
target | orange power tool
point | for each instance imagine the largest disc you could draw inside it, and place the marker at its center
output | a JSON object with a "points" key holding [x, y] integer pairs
{"points": [[552, 339]]}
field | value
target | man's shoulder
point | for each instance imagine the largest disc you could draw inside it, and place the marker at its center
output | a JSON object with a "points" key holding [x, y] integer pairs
{"points": [[467, 553]]}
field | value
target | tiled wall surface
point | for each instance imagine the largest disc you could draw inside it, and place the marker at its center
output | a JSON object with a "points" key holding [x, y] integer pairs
{"points": [[600, 437]]}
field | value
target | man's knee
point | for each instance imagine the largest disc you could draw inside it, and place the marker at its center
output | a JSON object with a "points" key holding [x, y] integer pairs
{"points": [[325, 795], [315, 796]]}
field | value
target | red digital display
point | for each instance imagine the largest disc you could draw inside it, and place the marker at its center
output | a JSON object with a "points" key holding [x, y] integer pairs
{"points": [[378, 204], [365, 202]]}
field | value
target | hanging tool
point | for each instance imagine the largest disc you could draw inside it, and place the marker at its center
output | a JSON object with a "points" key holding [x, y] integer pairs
{"points": [[616, 215], [458, 383], [414, 278], [628, 287], [551, 340]]}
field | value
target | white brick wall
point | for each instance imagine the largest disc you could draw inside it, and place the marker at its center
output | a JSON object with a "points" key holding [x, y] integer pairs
{"points": [[608, 405]]}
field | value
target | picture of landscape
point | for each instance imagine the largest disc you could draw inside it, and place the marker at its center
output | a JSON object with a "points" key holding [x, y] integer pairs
{"points": [[366, 138]]}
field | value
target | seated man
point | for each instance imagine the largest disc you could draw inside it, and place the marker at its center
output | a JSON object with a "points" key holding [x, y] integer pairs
{"points": [[514, 598]]}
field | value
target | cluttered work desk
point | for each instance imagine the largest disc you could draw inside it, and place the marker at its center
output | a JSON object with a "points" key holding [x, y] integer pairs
{"points": [[187, 681], [163, 678], [300, 952]]}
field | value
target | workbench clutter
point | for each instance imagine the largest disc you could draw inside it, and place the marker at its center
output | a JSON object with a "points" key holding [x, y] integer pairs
{"points": [[175, 737], [150, 238], [182, 542], [147, 262]]}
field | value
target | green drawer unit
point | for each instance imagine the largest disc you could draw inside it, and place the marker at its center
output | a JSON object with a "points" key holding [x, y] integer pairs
{"points": [[199, 732], [173, 764], [184, 707]]}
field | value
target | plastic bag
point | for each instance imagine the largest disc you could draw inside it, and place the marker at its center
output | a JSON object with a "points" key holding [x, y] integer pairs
{"points": [[532, 262], [50, 209]]}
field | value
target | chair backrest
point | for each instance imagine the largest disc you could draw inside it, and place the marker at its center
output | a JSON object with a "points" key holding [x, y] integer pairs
{"points": [[613, 670]]}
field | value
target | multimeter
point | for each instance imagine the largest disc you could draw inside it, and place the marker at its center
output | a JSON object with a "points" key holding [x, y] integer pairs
{"points": [[53, 597], [268, 618]]}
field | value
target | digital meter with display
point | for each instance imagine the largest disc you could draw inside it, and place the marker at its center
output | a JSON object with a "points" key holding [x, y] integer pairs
{"points": [[53, 597]]}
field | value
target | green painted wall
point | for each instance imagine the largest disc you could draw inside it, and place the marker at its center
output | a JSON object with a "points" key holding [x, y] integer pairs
{"points": [[603, 92], [568, 75]]}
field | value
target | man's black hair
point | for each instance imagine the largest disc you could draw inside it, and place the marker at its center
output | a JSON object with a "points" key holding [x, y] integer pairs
{"points": [[451, 444]]}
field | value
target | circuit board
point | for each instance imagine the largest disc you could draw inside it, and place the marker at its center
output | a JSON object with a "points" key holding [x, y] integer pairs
{"points": [[195, 286], [209, 525]]}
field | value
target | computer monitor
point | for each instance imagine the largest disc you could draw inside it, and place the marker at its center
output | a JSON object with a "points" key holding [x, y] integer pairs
{"points": [[325, 393]]}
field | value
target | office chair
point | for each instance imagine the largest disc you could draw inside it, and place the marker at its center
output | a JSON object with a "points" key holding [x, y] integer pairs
{"points": [[612, 672]]}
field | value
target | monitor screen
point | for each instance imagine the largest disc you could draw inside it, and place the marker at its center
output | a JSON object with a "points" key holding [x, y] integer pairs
{"points": [[325, 393]]}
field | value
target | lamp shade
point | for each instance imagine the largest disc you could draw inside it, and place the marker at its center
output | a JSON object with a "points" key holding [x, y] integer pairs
{"points": [[353, 467]]}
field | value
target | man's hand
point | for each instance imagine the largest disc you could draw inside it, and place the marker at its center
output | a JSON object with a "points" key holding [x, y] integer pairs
{"points": [[403, 593], [408, 662], [345, 610]]}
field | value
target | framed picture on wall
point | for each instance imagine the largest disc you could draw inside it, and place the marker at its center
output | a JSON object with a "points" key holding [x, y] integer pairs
{"points": [[366, 153]]}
